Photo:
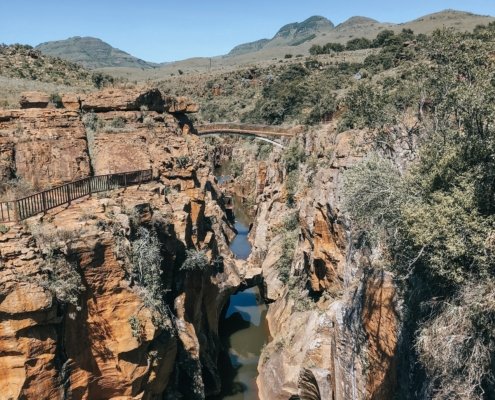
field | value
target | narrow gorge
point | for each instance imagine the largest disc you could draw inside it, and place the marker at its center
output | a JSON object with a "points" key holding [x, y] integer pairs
{"points": [[159, 290]]}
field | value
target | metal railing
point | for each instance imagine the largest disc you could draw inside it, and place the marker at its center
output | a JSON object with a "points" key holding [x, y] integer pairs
{"points": [[41, 202], [269, 130]]}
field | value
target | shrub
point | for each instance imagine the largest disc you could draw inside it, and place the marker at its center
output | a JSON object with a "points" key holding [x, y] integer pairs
{"points": [[358, 44], [373, 195], [367, 107], [284, 263], [118, 123], [264, 151], [4, 228], [146, 271], [383, 37], [457, 345], [101, 80], [293, 156], [288, 56], [291, 182], [196, 260], [53, 241], [291, 222], [149, 122], [91, 121], [182, 161], [236, 169], [326, 49], [62, 279], [56, 100], [137, 328]]}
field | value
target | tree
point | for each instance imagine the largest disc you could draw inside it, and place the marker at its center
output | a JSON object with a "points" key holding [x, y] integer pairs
{"points": [[382, 38], [358, 44]]}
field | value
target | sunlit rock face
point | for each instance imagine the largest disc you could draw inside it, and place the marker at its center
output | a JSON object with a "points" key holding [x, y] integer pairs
{"points": [[106, 343]]}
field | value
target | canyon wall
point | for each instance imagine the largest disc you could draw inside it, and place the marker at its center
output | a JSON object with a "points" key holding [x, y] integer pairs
{"points": [[333, 318], [78, 318]]}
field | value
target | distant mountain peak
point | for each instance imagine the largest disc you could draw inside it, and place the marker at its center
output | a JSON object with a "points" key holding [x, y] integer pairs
{"points": [[313, 24], [356, 21], [91, 52]]}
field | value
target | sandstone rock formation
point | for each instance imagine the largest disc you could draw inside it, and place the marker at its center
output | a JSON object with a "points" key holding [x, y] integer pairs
{"points": [[34, 100], [107, 343], [43, 146], [334, 328], [333, 324]]}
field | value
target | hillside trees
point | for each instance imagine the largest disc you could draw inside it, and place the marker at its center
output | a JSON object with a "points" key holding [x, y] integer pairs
{"points": [[298, 93], [437, 220]]}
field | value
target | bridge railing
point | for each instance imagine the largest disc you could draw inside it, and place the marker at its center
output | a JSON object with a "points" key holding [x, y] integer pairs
{"points": [[20, 209], [266, 129]]}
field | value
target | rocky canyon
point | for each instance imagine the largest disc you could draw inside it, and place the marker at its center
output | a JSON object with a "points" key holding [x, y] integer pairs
{"points": [[120, 295]]}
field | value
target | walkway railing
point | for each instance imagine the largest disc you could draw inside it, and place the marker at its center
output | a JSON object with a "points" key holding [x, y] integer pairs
{"points": [[20, 209], [268, 130]]}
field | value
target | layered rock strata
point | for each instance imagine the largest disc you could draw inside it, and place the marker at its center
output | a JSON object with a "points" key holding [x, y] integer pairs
{"points": [[334, 324], [76, 317]]}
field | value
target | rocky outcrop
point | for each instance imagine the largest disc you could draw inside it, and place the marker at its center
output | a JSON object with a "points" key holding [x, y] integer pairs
{"points": [[132, 130], [34, 100], [91, 349], [75, 321], [180, 104], [334, 327], [123, 100], [45, 146]]}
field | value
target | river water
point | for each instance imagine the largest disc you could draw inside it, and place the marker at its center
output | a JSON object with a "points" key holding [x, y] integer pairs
{"points": [[242, 329]]}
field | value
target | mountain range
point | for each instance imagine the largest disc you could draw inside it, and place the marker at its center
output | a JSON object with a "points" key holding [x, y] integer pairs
{"points": [[294, 38]]}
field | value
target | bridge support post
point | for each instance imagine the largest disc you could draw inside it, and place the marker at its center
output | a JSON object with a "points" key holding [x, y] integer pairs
{"points": [[67, 191], [43, 201]]}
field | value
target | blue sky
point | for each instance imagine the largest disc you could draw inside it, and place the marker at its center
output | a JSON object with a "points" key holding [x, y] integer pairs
{"points": [[163, 30]]}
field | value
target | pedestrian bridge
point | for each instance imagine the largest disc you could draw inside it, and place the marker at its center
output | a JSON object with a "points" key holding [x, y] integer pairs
{"points": [[267, 133]]}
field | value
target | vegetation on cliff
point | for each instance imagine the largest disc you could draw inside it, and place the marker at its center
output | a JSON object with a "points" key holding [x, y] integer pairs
{"points": [[22, 61], [436, 218]]}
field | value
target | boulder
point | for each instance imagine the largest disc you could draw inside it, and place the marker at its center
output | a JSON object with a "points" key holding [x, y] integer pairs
{"points": [[34, 100], [180, 104], [124, 100]]}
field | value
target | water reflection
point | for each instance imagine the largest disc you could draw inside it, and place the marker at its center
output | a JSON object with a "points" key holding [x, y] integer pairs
{"points": [[244, 334], [243, 328]]}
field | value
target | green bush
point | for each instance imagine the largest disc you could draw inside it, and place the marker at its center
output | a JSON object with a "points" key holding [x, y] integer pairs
{"points": [[293, 156], [137, 328], [358, 44], [56, 100], [284, 263], [291, 182], [101, 80], [291, 222], [117, 123], [264, 151], [367, 106], [91, 121], [373, 193]]}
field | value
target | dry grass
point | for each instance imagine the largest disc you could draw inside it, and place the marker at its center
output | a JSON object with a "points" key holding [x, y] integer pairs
{"points": [[456, 346]]}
